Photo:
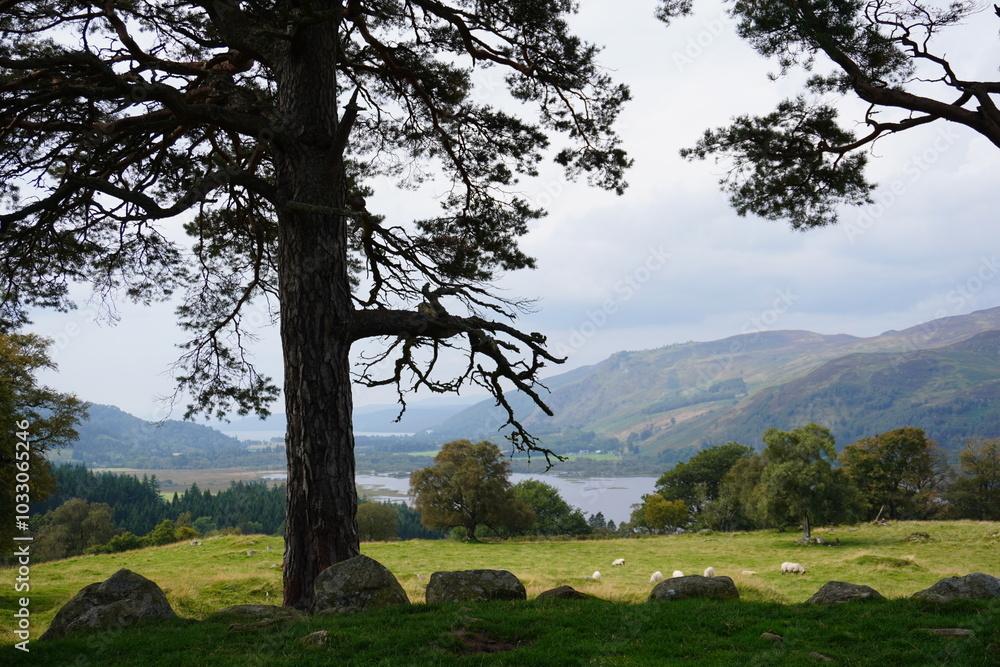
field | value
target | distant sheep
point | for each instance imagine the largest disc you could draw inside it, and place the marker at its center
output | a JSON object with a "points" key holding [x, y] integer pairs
{"points": [[709, 571], [596, 576], [678, 573], [792, 568], [619, 562], [656, 578], [749, 573]]}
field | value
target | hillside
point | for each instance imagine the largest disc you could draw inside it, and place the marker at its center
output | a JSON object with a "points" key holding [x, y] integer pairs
{"points": [[112, 437], [942, 376]]}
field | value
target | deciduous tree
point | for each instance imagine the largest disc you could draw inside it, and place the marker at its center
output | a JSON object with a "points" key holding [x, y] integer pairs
{"points": [[34, 420], [554, 516], [800, 162], [377, 522], [258, 129], [72, 528], [696, 481], [468, 486], [657, 514], [975, 493], [897, 471], [799, 482]]}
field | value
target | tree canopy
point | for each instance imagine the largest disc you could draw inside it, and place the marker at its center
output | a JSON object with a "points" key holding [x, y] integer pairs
{"points": [[553, 515], [975, 494], [800, 162], [38, 420], [697, 480], [897, 472], [798, 482], [223, 154], [469, 486]]}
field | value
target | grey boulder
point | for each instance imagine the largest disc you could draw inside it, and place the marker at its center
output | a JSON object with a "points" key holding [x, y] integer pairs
{"points": [[975, 586], [354, 585], [694, 586], [123, 599], [837, 592], [474, 586]]}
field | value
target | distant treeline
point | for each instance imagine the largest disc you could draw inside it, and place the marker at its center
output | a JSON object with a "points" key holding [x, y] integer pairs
{"points": [[251, 507]]}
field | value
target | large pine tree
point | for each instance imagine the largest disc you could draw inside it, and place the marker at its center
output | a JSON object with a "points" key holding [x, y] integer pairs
{"points": [[259, 127]]}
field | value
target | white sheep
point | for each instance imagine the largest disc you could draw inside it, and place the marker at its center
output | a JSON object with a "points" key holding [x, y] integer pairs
{"points": [[656, 578], [619, 562], [709, 571], [792, 568], [596, 576], [677, 573]]}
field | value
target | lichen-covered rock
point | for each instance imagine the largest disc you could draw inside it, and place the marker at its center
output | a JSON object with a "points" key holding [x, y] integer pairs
{"points": [[355, 585], [836, 592], [123, 599], [695, 586], [563, 593], [975, 586], [474, 586]]}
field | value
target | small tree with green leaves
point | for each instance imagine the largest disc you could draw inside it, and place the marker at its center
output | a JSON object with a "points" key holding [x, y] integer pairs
{"points": [[72, 528], [656, 514], [468, 486], [799, 482], [554, 515], [975, 493], [697, 480], [377, 522], [898, 473]]}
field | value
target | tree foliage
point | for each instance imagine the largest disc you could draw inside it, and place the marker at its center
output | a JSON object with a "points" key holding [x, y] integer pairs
{"points": [[799, 483], [72, 528], [554, 516], [899, 472], [35, 419], [377, 522], [656, 514], [975, 493], [697, 480], [223, 154], [468, 486], [799, 162]]}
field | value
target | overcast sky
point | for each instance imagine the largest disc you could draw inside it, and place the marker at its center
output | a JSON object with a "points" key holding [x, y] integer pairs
{"points": [[669, 262]]}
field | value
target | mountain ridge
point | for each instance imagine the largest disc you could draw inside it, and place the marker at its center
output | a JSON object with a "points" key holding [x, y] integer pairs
{"points": [[690, 395]]}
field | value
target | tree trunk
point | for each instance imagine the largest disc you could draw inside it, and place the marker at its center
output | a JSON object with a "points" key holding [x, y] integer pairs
{"points": [[807, 530], [316, 308]]}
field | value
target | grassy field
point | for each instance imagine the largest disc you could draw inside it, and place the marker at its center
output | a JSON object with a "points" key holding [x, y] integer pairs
{"points": [[620, 629]]}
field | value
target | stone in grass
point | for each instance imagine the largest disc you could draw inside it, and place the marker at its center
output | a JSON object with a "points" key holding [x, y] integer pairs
{"points": [[318, 638], [123, 599], [564, 593], [975, 586], [355, 585], [258, 611], [474, 586], [838, 592], [695, 586]]}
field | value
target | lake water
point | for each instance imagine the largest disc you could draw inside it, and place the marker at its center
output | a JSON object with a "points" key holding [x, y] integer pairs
{"points": [[612, 496]]}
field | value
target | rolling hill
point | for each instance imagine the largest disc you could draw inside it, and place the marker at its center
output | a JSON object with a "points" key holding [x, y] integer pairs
{"points": [[942, 376]]}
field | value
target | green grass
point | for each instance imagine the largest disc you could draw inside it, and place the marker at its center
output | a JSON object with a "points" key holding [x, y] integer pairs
{"points": [[619, 628]]}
